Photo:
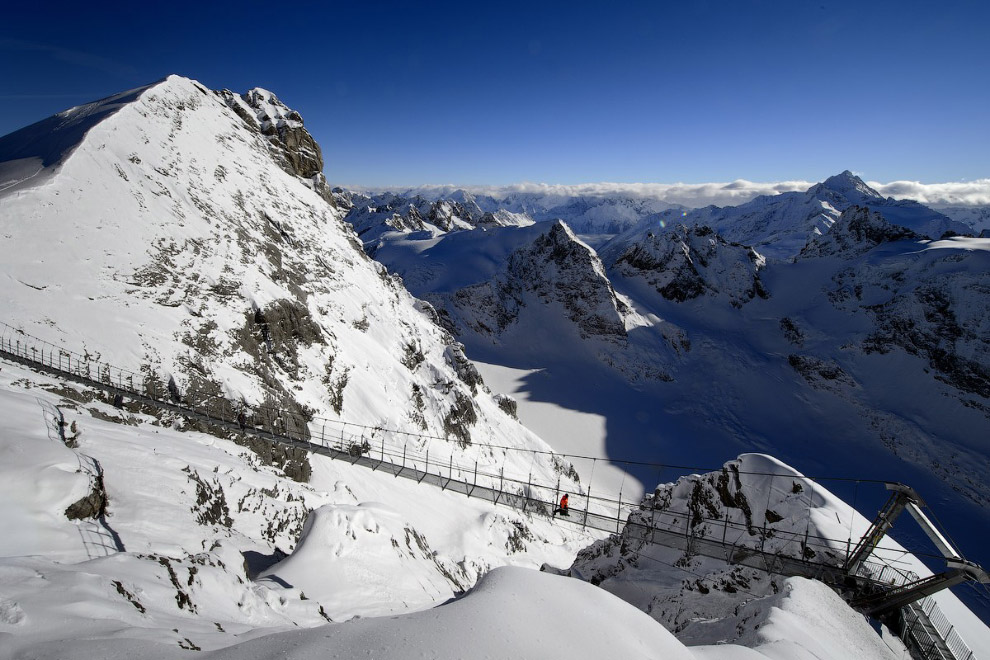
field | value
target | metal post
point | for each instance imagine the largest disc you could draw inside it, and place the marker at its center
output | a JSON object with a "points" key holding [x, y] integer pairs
{"points": [[475, 479], [653, 515], [587, 508], [725, 525], [501, 475]]}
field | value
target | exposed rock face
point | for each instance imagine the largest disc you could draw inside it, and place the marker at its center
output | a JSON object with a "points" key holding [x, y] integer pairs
{"points": [[291, 145], [689, 262], [372, 217], [820, 374], [93, 505], [753, 502], [557, 269], [857, 231], [931, 321], [448, 215]]}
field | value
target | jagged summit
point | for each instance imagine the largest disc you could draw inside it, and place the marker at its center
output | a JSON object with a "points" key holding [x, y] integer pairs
{"points": [[553, 267], [271, 112], [689, 262], [853, 188], [291, 145]]}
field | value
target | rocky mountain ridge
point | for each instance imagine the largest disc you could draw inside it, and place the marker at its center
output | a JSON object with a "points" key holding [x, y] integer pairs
{"points": [[689, 262], [456, 209], [779, 226], [291, 145], [555, 269]]}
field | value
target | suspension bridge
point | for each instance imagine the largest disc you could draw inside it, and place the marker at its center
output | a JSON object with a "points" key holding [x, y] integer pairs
{"points": [[874, 586]]}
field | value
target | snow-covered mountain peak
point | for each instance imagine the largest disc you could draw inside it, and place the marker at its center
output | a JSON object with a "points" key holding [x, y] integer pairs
{"points": [[853, 188], [687, 262], [496, 284], [779, 226], [226, 274]]}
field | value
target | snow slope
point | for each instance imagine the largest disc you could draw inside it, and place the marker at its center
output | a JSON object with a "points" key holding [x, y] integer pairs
{"points": [[33, 153], [201, 524]]}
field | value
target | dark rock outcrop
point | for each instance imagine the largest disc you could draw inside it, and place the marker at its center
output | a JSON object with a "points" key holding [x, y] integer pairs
{"points": [[688, 262], [92, 505], [857, 231], [290, 144]]}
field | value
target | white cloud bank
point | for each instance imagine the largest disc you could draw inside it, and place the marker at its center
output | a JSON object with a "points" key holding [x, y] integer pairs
{"points": [[740, 191], [964, 193]]}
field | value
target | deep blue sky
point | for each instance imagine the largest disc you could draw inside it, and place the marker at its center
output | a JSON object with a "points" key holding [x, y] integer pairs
{"points": [[558, 92]]}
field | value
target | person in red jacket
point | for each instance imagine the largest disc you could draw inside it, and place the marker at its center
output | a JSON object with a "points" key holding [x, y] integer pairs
{"points": [[562, 509]]}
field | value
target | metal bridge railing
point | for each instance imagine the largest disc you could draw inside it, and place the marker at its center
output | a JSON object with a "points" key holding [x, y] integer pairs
{"points": [[408, 453], [931, 634]]}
